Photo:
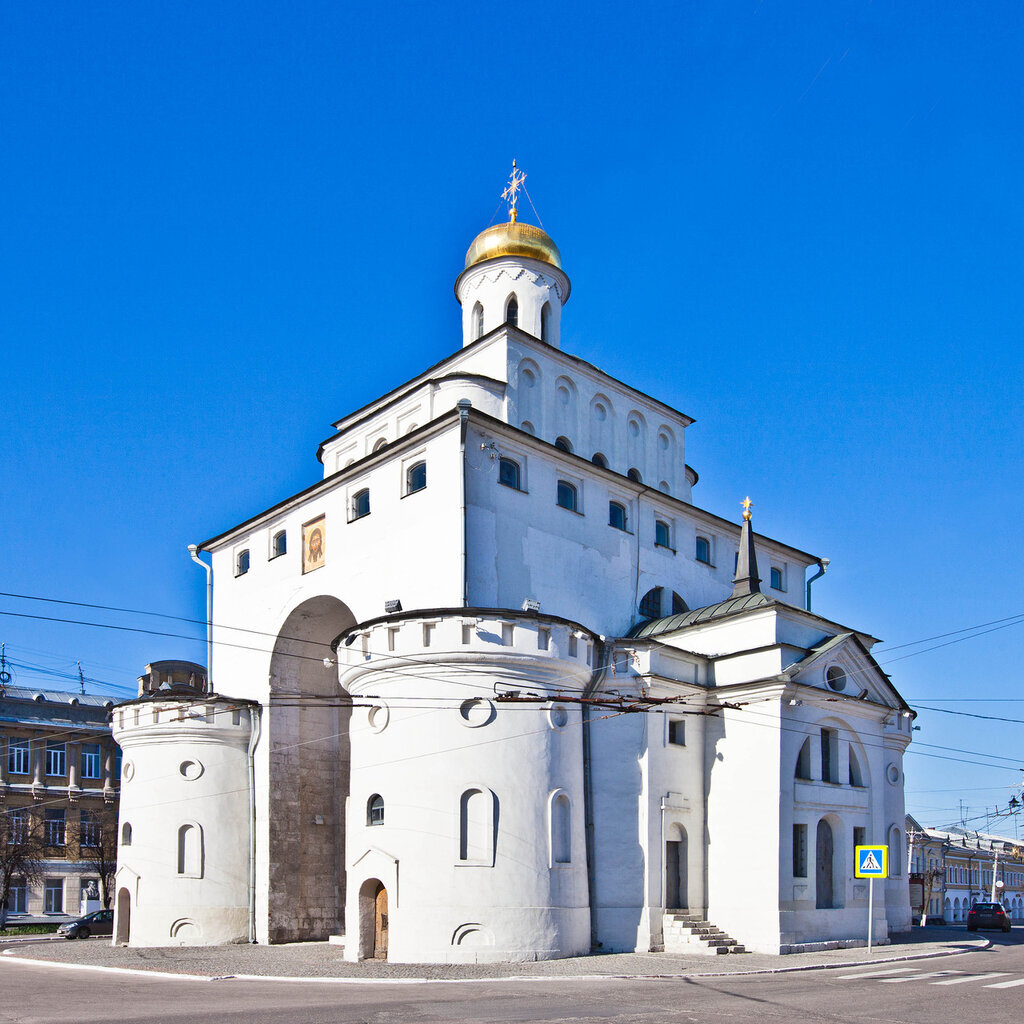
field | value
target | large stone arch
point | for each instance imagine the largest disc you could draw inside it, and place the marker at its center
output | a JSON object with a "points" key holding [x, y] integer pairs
{"points": [[307, 730]]}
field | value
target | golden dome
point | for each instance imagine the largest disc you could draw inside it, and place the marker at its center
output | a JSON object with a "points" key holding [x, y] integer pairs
{"points": [[513, 239]]}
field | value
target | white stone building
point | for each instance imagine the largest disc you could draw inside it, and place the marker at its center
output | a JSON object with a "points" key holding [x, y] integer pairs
{"points": [[513, 703]]}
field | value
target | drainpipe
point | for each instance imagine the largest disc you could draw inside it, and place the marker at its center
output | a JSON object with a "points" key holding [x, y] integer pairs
{"points": [[254, 735], [192, 549], [596, 680], [823, 564], [464, 405]]}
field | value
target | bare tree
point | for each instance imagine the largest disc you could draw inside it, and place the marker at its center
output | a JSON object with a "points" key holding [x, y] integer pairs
{"points": [[96, 838], [22, 851], [930, 877]]}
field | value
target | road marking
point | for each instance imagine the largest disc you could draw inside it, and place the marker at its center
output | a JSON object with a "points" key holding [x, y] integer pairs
{"points": [[917, 977], [875, 974], [972, 977], [1007, 984]]}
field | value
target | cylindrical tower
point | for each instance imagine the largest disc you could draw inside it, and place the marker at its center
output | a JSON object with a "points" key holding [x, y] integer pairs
{"points": [[184, 829], [465, 823]]}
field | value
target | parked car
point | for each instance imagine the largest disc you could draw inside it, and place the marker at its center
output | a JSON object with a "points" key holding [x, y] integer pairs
{"points": [[987, 915], [99, 922]]}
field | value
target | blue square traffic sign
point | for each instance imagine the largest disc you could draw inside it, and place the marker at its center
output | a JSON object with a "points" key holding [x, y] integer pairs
{"points": [[872, 861]]}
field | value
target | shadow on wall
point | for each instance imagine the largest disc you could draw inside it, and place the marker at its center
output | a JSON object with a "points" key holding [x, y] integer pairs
{"points": [[309, 776]]}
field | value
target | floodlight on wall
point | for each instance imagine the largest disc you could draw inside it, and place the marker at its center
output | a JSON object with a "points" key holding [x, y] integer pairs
{"points": [[328, 663], [392, 606], [529, 605], [863, 694], [350, 639], [794, 703]]}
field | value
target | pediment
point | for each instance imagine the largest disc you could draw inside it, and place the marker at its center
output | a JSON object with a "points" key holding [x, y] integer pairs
{"points": [[843, 666]]}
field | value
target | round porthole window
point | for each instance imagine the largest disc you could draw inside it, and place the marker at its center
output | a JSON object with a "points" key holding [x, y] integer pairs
{"points": [[558, 716], [476, 712], [892, 774], [127, 771], [836, 678], [377, 717], [190, 770]]}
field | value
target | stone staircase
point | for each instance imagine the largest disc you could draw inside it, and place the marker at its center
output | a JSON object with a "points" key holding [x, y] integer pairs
{"points": [[690, 933]]}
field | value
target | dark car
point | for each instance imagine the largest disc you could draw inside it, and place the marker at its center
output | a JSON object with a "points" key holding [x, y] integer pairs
{"points": [[987, 915], [99, 922]]}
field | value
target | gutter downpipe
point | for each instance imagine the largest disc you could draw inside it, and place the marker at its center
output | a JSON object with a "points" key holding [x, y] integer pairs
{"points": [[192, 550], [600, 652], [823, 564], [464, 405], [255, 723]]}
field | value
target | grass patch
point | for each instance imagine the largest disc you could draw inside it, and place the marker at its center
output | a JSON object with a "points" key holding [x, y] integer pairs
{"points": [[29, 929]]}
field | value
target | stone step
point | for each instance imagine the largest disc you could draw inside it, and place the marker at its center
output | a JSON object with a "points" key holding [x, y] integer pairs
{"points": [[691, 931]]}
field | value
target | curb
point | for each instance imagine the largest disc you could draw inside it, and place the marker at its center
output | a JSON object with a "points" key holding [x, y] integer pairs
{"points": [[138, 972]]}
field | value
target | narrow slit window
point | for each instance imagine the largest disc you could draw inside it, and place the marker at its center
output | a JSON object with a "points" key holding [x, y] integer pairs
{"points": [[512, 312], [478, 321]]}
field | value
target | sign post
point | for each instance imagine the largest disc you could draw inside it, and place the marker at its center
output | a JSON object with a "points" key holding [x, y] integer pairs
{"points": [[871, 862]]}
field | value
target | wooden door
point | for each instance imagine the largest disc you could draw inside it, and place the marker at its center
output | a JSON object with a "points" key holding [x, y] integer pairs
{"points": [[380, 924]]}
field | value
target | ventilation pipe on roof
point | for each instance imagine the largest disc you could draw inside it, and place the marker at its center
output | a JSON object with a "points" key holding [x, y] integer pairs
{"points": [[823, 564]]}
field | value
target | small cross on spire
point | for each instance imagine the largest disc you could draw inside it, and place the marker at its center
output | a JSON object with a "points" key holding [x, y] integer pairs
{"points": [[511, 192], [747, 506]]}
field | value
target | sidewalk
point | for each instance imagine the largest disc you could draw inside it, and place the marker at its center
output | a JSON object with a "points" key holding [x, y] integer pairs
{"points": [[322, 961]]}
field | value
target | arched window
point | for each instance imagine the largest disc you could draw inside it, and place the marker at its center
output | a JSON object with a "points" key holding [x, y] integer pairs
{"points": [[561, 829], [564, 444], [567, 495], [361, 503], [664, 487], [803, 761], [599, 460], [617, 515], [476, 826], [895, 846], [375, 810], [634, 475], [416, 478], [242, 563], [545, 322], [126, 834], [478, 321], [856, 775], [190, 850], [703, 550], [508, 473], [650, 605], [662, 534], [836, 678], [279, 545], [529, 427], [512, 311], [678, 605], [379, 443]]}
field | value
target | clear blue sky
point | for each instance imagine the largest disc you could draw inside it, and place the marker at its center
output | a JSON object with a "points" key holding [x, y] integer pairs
{"points": [[800, 223]]}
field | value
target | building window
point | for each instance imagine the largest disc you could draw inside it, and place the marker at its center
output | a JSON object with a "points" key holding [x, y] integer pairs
{"points": [[599, 460], [126, 834], [478, 321], [563, 444], [662, 534], [545, 322], [361, 504], [55, 759], [704, 550], [279, 544], [678, 605], [859, 839], [561, 830], [799, 851], [242, 562], [375, 810], [829, 755], [856, 775], [777, 578], [803, 761], [54, 826], [18, 757], [416, 477], [650, 606], [617, 515], [18, 831], [190, 850], [53, 896], [90, 760], [17, 896], [508, 473], [677, 732], [512, 311], [836, 678], [634, 475], [567, 495], [476, 827], [89, 831]]}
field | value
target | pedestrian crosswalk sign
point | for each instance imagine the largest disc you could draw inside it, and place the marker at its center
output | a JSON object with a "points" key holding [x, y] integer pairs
{"points": [[872, 861]]}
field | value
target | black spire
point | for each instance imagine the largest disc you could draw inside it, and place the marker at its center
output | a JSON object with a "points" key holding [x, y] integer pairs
{"points": [[746, 581]]}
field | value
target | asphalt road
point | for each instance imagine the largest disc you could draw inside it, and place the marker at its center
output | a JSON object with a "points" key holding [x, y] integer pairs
{"points": [[986, 986]]}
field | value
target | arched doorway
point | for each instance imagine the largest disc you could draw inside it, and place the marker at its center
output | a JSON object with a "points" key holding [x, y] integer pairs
{"points": [[124, 917], [309, 772], [823, 875], [380, 923], [373, 920], [676, 897]]}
